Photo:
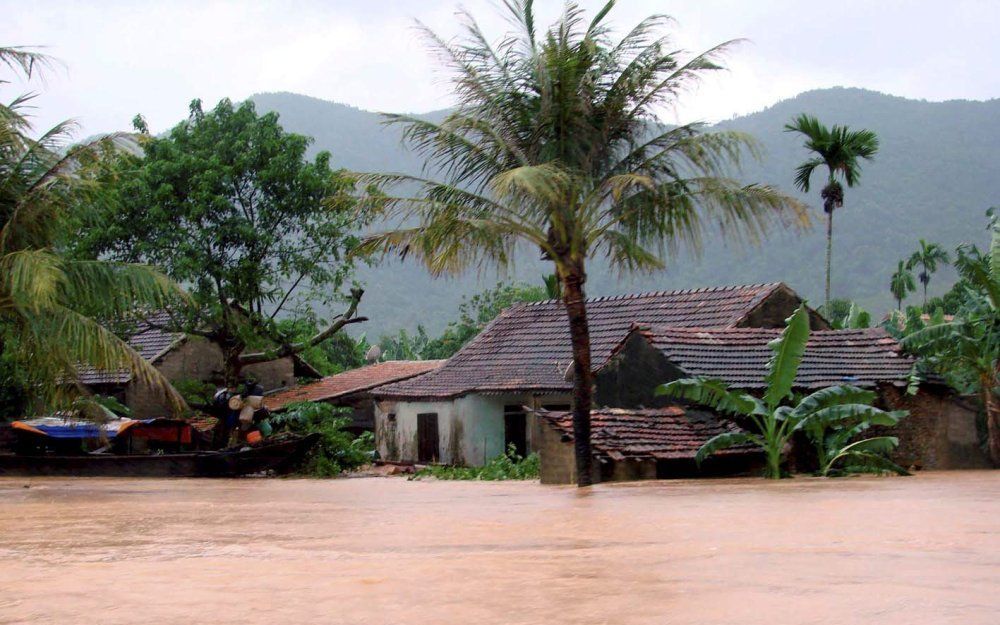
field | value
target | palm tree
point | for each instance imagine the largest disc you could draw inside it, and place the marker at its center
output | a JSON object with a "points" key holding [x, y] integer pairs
{"points": [[927, 258], [902, 284], [554, 143], [968, 347], [48, 302], [839, 148], [840, 408]]}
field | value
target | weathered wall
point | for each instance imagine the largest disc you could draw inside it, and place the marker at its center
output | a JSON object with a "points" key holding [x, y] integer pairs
{"points": [[198, 359], [773, 311], [939, 433], [470, 428], [631, 377]]}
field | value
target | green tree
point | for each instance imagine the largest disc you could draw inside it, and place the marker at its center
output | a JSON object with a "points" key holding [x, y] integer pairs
{"points": [[967, 349], [404, 346], [838, 148], [902, 284], [555, 145], [336, 354], [773, 419], [477, 311], [927, 258], [50, 305], [227, 203]]}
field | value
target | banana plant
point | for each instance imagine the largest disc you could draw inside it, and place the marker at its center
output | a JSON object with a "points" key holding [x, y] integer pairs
{"points": [[778, 415]]}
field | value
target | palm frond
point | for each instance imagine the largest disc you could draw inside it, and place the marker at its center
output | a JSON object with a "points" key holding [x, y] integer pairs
{"points": [[711, 394]]}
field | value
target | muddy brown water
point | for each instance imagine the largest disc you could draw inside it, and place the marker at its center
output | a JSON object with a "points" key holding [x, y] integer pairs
{"points": [[920, 550]]}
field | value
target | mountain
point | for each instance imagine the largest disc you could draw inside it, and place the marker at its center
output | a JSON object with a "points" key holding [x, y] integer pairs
{"points": [[935, 175]]}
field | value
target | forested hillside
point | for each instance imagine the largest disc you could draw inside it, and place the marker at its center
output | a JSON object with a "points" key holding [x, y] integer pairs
{"points": [[935, 175]]}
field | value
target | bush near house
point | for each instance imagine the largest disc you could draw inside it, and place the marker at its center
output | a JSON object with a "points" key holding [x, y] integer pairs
{"points": [[337, 450], [507, 466]]}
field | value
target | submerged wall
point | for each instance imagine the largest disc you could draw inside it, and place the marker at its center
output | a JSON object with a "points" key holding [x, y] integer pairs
{"points": [[471, 429]]}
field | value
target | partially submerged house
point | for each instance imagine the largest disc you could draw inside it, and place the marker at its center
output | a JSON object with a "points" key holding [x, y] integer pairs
{"points": [[511, 385], [352, 389], [640, 443], [179, 357], [474, 406]]}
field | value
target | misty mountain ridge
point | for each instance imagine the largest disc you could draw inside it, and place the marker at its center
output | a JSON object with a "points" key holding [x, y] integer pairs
{"points": [[934, 177]]}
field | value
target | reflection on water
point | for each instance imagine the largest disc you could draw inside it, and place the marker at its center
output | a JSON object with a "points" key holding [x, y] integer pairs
{"points": [[915, 550]]}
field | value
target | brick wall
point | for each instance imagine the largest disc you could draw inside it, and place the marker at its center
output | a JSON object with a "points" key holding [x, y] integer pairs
{"points": [[939, 433]]}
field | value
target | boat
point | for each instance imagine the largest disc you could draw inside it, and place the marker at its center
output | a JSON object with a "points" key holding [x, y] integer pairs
{"points": [[165, 458], [279, 455]]}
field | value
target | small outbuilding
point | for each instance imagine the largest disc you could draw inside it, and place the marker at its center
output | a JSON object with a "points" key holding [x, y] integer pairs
{"points": [[351, 389], [637, 444]]}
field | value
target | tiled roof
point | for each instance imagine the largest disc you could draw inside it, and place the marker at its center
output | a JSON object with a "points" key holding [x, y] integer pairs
{"points": [[658, 433], [353, 381], [740, 356], [151, 343], [527, 347]]}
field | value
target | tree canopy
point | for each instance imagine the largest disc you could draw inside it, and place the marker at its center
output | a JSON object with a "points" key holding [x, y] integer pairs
{"points": [[228, 204]]}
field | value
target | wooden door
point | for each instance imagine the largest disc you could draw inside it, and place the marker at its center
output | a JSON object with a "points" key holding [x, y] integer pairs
{"points": [[427, 437]]}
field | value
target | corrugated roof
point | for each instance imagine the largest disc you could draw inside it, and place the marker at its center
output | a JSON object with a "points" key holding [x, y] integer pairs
{"points": [[527, 347], [349, 382], [151, 343], [739, 356], [657, 433]]}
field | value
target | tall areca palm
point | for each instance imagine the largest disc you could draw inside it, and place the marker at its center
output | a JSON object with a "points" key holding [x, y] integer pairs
{"points": [[902, 284], [838, 148], [555, 144], [47, 301], [927, 258]]}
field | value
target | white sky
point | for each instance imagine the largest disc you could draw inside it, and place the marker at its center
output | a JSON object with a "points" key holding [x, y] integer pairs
{"points": [[123, 58]]}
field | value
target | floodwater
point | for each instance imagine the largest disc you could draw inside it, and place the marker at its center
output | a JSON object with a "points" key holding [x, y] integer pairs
{"points": [[919, 550]]}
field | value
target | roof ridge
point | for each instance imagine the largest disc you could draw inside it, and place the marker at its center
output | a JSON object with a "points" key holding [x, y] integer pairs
{"points": [[659, 293]]}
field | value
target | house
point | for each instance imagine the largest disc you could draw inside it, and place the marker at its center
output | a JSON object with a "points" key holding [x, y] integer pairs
{"points": [[474, 406], [351, 389], [940, 431], [179, 357], [640, 443]]}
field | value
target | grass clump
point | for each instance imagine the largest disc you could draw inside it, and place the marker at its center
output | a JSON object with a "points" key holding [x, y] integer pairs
{"points": [[507, 466]]}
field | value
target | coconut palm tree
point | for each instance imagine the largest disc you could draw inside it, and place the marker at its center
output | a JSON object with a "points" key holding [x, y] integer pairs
{"points": [[831, 416], [838, 148], [902, 284], [927, 258], [48, 302], [555, 144]]}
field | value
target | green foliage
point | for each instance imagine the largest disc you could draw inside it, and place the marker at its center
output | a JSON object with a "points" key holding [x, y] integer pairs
{"points": [[336, 354], [337, 449], [404, 346], [902, 284], [195, 392], [966, 350], [824, 414], [49, 303], [929, 257], [506, 466], [227, 203], [477, 311]]}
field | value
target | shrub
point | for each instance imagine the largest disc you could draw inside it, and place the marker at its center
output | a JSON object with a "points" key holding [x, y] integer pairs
{"points": [[506, 466], [337, 450]]}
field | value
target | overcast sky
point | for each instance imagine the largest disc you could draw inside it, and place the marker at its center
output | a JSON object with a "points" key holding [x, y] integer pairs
{"points": [[128, 57]]}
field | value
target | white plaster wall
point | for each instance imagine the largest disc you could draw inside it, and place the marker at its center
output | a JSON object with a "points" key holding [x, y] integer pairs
{"points": [[470, 428]]}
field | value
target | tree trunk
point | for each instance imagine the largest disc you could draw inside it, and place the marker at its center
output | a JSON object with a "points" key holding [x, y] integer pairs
{"points": [[992, 419], [576, 310], [829, 255]]}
